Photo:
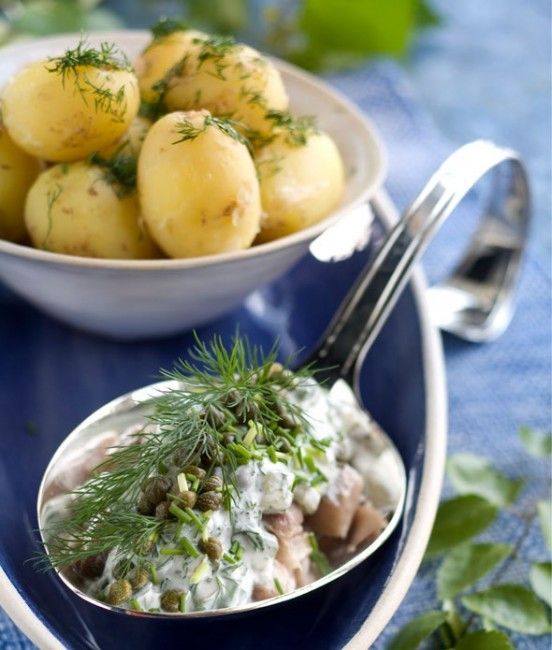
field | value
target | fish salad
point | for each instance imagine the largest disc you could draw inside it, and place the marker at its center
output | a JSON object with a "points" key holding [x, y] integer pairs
{"points": [[241, 486]]}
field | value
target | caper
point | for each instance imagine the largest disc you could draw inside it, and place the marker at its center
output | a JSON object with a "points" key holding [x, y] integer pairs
{"points": [[91, 567], [232, 398], [194, 470], [119, 592], [209, 501], [145, 507], [212, 484], [139, 578], [275, 369], [170, 600], [162, 510], [146, 548], [214, 416], [156, 488], [211, 547], [186, 499], [286, 418]]}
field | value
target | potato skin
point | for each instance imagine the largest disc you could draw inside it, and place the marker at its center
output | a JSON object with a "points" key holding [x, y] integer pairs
{"points": [[233, 81], [160, 56], [199, 196], [18, 171], [73, 209], [300, 184], [51, 119]]}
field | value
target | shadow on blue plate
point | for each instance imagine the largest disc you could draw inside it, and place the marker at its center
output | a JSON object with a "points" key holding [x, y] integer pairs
{"points": [[52, 377]]}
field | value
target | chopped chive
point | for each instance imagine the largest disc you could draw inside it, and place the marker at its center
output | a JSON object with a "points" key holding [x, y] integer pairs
{"points": [[313, 541], [240, 450], [251, 434], [281, 456], [239, 553], [177, 531], [188, 547], [200, 525], [272, 454], [310, 464], [199, 572], [182, 516], [235, 546], [182, 482], [228, 558], [278, 586], [172, 551], [298, 458], [182, 602], [297, 481], [321, 562], [153, 573], [135, 605]]}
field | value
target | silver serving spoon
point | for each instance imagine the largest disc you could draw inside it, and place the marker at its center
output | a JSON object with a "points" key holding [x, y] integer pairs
{"points": [[481, 290]]}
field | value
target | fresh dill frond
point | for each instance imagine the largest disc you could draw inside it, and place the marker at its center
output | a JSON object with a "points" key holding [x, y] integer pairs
{"points": [[189, 131], [296, 130], [72, 67], [166, 26], [120, 169], [215, 49], [53, 195], [219, 390]]}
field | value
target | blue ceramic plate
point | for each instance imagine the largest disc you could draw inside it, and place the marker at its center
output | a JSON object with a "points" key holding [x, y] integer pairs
{"points": [[52, 377]]}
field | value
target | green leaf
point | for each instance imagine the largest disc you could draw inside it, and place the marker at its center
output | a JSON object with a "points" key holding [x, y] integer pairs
{"points": [[540, 577], [223, 16], [545, 517], [485, 640], [466, 564], [44, 17], [416, 630], [458, 520], [471, 474], [348, 30], [537, 444], [512, 606], [426, 16]]}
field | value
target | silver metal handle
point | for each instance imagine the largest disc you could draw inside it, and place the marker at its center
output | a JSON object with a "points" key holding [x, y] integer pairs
{"points": [[476, 303]]}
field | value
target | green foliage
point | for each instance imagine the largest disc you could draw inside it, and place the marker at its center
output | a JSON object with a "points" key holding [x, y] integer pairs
{"points": [[471, 474], [467, 619], [540, 578], [417, 630], [467, 564], [485, 640], [536, 443], [45, 17], [512, 606], [458, 520]]}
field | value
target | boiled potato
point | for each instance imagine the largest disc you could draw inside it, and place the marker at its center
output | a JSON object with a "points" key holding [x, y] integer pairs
{"points": [[301, 183], [61, 111], [77, 210], [230, 80], [198, 186], [158, 59], [18, 171]]}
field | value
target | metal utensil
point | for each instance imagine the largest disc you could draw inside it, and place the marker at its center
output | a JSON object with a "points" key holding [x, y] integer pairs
{"points": [[484, 311]]}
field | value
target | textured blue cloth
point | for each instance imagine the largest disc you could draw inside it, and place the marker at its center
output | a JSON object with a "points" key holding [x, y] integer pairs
{"points": [[494, 388]]}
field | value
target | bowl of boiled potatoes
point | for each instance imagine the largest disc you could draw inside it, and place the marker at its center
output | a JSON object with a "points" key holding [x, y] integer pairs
{"points": [[149, 181]]}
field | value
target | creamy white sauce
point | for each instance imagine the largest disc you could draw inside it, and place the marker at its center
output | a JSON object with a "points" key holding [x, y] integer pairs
{"points": [[263, 487]]}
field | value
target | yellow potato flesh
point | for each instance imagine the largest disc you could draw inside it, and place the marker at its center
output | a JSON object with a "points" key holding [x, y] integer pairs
{"points": [[66, 119], [300, 184], [199, 196], [18, 171], [73, 209], [240, 84], [160, 56]]}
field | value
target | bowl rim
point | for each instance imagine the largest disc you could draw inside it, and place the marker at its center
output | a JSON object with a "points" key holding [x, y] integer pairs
{"points": [[435, 441], [138, 37]]}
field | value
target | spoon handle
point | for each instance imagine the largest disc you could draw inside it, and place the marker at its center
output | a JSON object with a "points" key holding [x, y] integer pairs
{"points": [[476, 303]]}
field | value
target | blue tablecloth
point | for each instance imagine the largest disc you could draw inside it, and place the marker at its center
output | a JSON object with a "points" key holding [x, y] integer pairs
{"points": [[493, 388]]}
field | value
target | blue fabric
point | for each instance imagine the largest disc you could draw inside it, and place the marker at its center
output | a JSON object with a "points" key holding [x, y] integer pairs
{"points": [[493, 388]]}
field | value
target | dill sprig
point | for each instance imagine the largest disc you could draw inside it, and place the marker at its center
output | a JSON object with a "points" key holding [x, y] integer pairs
{"points": [[296, 130], [166, 26], [120, 169], [215, 49], [189, 131], [219, 390], [71, 66]]}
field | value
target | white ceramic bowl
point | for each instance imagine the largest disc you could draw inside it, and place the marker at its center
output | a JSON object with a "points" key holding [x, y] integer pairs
{"points": [[145, 298]]}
